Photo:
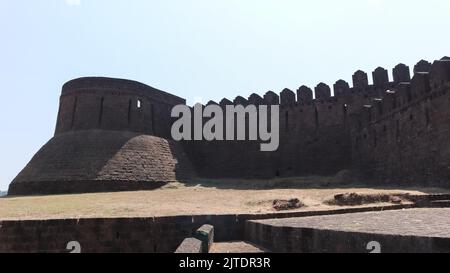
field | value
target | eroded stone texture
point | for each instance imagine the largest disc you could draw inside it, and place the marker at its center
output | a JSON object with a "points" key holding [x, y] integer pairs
{"points": [[401, 231], [99, 160], [304, 94], [190, 245], [322, 91]]}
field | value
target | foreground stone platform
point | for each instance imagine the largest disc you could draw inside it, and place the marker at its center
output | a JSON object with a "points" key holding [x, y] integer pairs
{"points": [[411, 230], [236, 247]]}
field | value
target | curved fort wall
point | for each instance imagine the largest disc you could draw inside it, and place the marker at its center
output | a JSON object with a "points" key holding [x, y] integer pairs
{"points": [[111, 134], [115, 104]]}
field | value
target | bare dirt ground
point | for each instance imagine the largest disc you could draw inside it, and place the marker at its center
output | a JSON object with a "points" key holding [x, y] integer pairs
{"points": [[201, 197]]}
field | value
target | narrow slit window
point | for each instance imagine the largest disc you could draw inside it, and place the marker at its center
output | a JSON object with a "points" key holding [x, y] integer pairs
{"points": [[139, 104], [316, 117], [100, 115], [129, 111], [287, 121]]}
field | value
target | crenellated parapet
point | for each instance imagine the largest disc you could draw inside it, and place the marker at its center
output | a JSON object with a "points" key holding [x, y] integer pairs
{"points": [[361, 104], [255, 99], [402, 137], [360, 80], [401, 73], [380, 78], [322, 107], [271, 98], [239, 100], [322, 91], [341, 89], [304, 94], [422, 66], [423, 86], [440, 73], [287, 96], [225, 102]]}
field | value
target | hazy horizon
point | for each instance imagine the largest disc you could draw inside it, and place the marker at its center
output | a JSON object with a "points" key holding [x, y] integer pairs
{"points": [[200, 50]]}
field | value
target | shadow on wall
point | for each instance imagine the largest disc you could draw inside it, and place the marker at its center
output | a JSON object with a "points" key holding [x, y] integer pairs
{"points": [[98, 161], [345, 179]]}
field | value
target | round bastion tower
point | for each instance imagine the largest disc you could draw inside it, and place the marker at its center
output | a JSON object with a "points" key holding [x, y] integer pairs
{"points": [[111, 135]]}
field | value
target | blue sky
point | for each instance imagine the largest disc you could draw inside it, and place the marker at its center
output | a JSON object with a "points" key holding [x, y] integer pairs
{"points": [[196, 49]]}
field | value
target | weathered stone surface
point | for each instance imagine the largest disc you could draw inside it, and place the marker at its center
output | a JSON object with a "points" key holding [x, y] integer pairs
{"points": [[115, 104], [205, 234], [190, 245], [406, 142], [401, 73], [422, 66], [154, 234], [287, 96], [413, 230], [360, 79], [237, 247], [341, 88], [322, 91], [304, 94], [99, 160], [380, 77]]}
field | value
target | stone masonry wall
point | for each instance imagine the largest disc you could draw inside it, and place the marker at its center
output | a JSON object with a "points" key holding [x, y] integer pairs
{"points": [[403, 137], [147, 235], [115, 104], [111, 135], [314, 133], [316, 240], [99, 160], [111, 235]]}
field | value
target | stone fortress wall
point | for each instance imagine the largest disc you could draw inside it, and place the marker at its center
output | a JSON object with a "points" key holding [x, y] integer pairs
{"points": [[115, 104], [317, 135], [114, 134], [111, 135], [404, 137]]}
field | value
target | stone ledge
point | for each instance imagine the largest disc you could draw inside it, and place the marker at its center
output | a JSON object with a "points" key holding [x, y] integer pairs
{"points": [[190, 245], [205, 234]]}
